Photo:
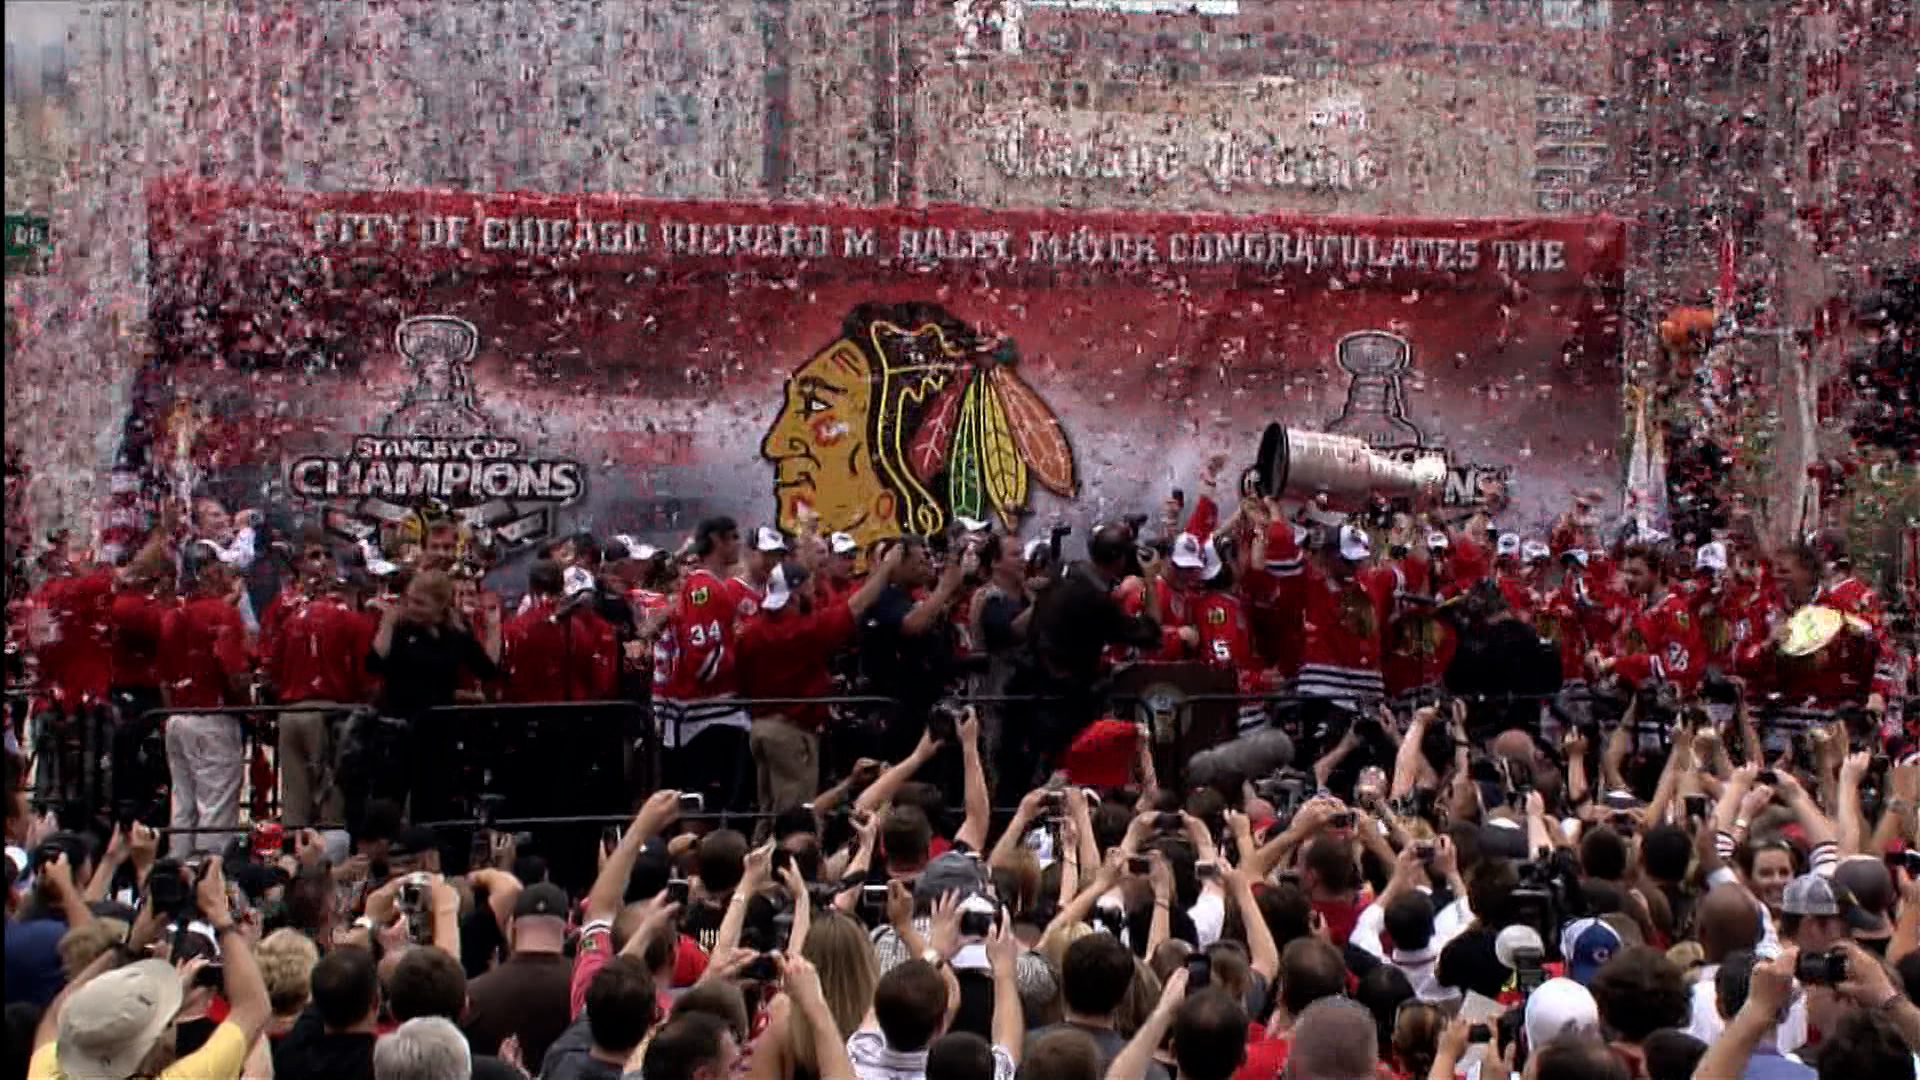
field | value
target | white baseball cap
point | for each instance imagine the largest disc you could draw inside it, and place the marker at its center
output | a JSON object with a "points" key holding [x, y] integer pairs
{"points": [[1578, 555], [1188, 553], [1535, 551], [1711, 556], [1437, 541], [842, 544], [1508, 546], [577, 580], [778, 592], [1035, 549], [1354, 545], [1560, 1007], [768, 539]]}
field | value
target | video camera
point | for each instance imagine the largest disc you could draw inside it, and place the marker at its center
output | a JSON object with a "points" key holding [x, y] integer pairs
{"points": [[1549, 895]]}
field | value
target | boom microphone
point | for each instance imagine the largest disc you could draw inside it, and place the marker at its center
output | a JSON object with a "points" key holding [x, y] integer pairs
{"points": [[1231, 763]]}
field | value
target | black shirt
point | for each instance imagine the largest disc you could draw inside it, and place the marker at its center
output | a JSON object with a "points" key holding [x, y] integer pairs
{"points": [[309, 1050], [996, 621], [422, 669], [1076, 618], [909, 667]]}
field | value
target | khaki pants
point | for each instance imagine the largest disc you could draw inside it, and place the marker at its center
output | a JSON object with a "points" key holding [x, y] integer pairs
{"points": [[786, 764], [206, 757], [308, 794]]}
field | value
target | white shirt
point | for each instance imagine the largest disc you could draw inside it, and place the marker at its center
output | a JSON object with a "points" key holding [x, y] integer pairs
{"points": [[874, 1060], [1419, 965], [1705, 1023]]}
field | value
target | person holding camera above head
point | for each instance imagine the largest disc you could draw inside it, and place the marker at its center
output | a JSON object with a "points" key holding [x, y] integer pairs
{"points": [[1875, 1035], [423, 648], [785, 651], [118, 1023], [907, 644]]}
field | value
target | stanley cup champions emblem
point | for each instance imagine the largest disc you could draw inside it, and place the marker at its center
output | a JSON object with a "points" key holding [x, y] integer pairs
{"points": [[1376, 408]]}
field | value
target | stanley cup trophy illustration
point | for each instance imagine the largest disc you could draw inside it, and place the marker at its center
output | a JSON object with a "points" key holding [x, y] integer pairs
{"points": [[1376, 409], [1345, 463], [441, 402]]}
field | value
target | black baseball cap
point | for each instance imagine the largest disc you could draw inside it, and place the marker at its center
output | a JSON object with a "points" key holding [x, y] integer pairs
{"points": [[545, 900]]}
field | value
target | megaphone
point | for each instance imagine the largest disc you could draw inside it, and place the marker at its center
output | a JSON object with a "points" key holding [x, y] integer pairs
{"points": [[1307, 464]]}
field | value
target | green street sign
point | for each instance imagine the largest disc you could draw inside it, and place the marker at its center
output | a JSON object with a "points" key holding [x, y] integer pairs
{"points": [[29, 242]]}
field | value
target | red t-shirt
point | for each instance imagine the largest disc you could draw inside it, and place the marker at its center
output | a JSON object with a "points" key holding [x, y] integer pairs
{"points": [[203, 646], [1265, 1057], [1341, 916], [138, 620], [575, 658], [319, 651]]}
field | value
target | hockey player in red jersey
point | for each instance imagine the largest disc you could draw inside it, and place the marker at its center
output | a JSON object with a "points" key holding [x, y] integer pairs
{"points": [[697, 709], [1660, 640]]}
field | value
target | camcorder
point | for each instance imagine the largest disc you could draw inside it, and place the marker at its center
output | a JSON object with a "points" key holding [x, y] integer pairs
{"points": [[1549, 895]]}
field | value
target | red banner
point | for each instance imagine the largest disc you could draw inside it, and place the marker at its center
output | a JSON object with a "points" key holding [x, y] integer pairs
{"points": [[533, 363]]}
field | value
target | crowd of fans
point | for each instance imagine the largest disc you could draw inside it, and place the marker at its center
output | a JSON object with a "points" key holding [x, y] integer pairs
{"points": [[1563, 809]]}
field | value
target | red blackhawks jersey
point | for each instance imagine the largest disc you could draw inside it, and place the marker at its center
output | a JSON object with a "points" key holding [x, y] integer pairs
{"points": [[1573, 620], [1132, 595], [1419, 643], [1662, 641], [1341, 626], [693, 659]]}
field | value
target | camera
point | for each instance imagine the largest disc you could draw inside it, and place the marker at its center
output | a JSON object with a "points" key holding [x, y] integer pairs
{"points": [[1479, 1033], [1139, 865], [167, 888], [1821, 969], [943, 722], [1623, 824], [1341, 820], [760, 969], [413, 898], [1699, 806], [873, 901], [692, 802], [1199, 971], [977, 923], [678, 891], [1768, 777], [1206, 871], [1529, 970], [1423, 851]]}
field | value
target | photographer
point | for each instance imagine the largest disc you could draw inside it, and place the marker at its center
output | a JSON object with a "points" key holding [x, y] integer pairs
{"points": [[122, 1023], [1074, 621]]}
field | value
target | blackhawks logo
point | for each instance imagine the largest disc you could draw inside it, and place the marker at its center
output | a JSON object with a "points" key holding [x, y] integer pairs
{"points": [[1718, 633], [701, 595], [1217, 617], [1357, 614], [1417, 635], [1548, 627]]}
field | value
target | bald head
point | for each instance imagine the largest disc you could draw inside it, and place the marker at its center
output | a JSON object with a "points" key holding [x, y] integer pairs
{"points": [[1514, 745], [1728, 921], [1335, 1039]]}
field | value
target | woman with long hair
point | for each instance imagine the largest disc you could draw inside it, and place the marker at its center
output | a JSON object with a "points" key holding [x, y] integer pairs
{"points": [[840, 950]]}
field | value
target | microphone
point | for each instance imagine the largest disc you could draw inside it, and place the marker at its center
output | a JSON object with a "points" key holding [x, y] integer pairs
{"points": [[1236, 760]]}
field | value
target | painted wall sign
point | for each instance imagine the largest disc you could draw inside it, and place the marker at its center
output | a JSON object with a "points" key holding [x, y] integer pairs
{"points": [[629, 365]]}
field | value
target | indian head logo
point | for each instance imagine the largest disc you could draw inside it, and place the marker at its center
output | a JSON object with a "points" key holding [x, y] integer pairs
{"points": [[907, 421]]}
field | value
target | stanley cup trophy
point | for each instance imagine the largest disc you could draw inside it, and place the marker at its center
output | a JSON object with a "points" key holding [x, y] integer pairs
{"points": [[1346, 464], [441, 402]]}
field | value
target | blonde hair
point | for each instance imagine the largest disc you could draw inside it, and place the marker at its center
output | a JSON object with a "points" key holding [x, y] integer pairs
{"points": [[435, 585], [286, 958], [838, 947], [1688, 956], [84, 944]]}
